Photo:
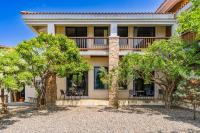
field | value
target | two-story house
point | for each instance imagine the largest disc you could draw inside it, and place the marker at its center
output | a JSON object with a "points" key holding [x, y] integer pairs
{"points": [[104, 38]]}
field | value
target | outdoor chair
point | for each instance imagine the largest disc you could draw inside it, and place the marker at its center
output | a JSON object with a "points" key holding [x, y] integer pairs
{"points": [[62, 92], [130, 93]]}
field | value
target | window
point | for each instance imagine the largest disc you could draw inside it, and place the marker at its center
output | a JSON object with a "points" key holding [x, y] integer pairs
{"points": [[142, 89], [144, 31], [77, 83], [76, 31], [100, 32], [123, 32], [97, 81]]}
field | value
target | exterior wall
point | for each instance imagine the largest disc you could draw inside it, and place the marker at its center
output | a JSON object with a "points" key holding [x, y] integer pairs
{"points": [[160, 31], [29, 92], [60, 30], [96, 93]]}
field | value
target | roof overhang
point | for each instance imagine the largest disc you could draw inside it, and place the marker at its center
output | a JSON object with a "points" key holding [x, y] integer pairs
{"points": [[42, 18]]}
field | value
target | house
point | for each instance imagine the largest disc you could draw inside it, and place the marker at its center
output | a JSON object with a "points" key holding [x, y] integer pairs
{"points": [[104, 38]]}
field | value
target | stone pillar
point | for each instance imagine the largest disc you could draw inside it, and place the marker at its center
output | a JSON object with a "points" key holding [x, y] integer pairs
{"points": [[113, 64]]}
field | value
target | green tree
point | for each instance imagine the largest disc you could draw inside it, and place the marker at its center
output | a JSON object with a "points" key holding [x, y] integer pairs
{"points": [[110, 78], [189, 20], [14, 73], [49, 56], [164, 63], [189, 91]]}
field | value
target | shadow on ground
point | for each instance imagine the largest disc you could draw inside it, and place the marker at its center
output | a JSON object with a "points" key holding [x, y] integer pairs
{"points": [[7, 119], [177, 114]]}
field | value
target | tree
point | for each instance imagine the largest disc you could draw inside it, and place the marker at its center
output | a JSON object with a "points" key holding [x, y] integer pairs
{"points": [[124, 74], [163, 63], [14, 73], [110, 79], [189, 90], [49, 56], [189, 20]]}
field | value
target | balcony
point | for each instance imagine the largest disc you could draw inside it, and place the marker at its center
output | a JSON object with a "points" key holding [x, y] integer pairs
{"points": [[125, 43], [137, 43], [91, 43]]}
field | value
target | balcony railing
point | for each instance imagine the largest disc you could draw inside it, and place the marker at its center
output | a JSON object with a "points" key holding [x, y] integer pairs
{"points": [[125, 43], [137, 43], [91, 43]]}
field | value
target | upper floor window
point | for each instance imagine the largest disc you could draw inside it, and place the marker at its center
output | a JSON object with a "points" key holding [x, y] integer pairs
{"points": [[97, 81], [144, 31], [123, 32], [76, 31], [101, 32]]}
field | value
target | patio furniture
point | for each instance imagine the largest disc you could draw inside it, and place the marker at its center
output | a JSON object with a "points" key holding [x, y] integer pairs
{"points": [[62, 92], [32, 99], [131, 93]]}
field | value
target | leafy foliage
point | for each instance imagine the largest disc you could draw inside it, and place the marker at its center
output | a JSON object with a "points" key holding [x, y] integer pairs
{"points": [[13, 70], [164, 63], [51, 54], [189, 20], [14, 73]]}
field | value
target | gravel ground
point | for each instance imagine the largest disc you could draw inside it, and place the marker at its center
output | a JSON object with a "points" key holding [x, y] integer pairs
{"points": [[135, 119]]}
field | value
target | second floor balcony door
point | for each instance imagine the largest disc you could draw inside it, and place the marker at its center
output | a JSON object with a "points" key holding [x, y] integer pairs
{"points": [[143, 36], [78, 34], [123, 34], [100, 34]]}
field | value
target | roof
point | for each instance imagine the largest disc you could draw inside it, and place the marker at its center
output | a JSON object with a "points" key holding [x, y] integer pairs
{"points": [[28, 12], [167, 5]]}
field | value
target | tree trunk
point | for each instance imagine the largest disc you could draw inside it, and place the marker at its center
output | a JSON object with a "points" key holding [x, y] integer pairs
{"points": [[194, 111], [14, 96], [51, 89], [4, 105], [167, 99]]}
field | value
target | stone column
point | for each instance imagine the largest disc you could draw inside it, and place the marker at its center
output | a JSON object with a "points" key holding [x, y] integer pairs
{"points": [[113, 64]]}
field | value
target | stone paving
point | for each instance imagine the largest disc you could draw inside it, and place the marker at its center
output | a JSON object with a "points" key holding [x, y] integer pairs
{"points": [[134, 119]]}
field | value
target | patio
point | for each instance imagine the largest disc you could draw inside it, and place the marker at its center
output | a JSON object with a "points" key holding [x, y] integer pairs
{"points": [[101, 120]]}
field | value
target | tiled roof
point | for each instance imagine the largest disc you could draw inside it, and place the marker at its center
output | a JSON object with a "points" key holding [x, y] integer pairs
{"points": [[28, 12]]}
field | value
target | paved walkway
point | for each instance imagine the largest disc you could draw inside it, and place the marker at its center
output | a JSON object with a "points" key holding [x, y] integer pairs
{"points": [[135, 119]]}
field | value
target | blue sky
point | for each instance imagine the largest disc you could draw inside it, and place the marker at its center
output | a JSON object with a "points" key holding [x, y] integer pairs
{"points": [[13, 30]]}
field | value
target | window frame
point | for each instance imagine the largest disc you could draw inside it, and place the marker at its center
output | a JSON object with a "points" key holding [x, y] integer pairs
{"points": [[105, 86]]}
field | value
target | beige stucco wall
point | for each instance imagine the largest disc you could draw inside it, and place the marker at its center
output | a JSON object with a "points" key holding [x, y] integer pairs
{"points": [[103, 61]]}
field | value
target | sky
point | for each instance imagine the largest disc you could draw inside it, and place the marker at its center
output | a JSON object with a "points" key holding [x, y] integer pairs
{"points": [[13, 30]]}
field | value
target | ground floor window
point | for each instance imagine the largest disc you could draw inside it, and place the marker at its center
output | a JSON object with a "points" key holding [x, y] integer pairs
{"points": [[77, 84], [142, 89], [97, 81]]}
